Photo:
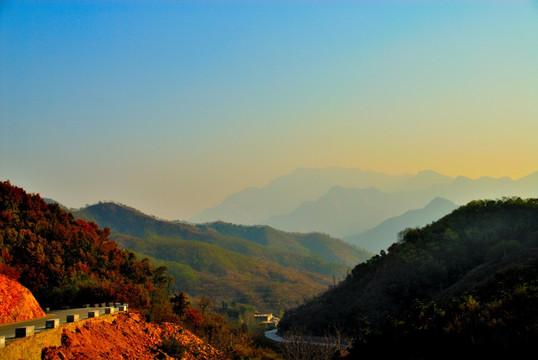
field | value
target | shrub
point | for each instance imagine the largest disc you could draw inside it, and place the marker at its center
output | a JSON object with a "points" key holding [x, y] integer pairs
{"points": [[173, 347]]}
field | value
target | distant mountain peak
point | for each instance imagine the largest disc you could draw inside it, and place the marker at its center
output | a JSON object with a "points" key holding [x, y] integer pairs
{"points": [[52, 201], [429, 172], [439, 201], [462, 178]]}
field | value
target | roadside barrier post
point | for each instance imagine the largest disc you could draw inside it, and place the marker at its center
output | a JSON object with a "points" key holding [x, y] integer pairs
{"points": [[72, 318], [24, 331], [52, 323]]}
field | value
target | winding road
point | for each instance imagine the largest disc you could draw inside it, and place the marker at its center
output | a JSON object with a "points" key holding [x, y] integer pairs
{"points": [[314, 340], [272, 335]]}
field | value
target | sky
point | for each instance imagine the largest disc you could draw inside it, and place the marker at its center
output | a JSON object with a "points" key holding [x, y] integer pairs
{"points": [[170, 106]]}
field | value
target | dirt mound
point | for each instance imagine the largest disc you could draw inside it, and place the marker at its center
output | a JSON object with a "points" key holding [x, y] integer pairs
{"points": [[128, 336], [17, 302]]}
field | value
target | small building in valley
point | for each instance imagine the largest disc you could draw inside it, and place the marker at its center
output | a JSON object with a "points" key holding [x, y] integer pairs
{"points": [[267, 320]]}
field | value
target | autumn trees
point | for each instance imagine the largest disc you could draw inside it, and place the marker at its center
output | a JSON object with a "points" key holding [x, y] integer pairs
{"points": [[64, 261]]}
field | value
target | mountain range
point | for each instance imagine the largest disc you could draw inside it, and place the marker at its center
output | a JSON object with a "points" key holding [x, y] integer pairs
{"points": [[344, 202], [285, 193]]}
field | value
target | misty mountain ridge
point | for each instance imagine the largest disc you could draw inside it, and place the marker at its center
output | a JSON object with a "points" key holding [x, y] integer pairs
{"points": [[336, 200], [285, 193], [385, 234], [345, 211]]}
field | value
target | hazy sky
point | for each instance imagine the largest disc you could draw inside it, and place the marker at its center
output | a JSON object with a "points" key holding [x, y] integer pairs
{"points": [[170, 106]]}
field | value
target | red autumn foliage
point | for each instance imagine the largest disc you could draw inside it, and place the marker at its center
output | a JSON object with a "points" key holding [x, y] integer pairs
{"points": [[194, 316], [64, 261], [6, 269]]}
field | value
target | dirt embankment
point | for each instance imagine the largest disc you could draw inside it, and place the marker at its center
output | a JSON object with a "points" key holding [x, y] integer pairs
{"points": [[129, 336], [120, 336], [17, 302]]}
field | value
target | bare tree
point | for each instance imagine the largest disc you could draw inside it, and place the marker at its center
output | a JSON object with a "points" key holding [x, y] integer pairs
{"points": [[204, 303]]}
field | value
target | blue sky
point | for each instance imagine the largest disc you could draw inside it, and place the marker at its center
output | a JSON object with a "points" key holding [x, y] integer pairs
{"points": [[169, 106]]}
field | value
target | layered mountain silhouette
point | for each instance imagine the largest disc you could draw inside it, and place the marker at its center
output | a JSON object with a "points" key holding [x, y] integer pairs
{"points": [[286, 193], [344, 211], [344, 202]]}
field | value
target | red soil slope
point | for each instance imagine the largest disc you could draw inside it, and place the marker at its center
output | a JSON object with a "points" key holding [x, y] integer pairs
{"points": [[16, 302], [128, 336]]}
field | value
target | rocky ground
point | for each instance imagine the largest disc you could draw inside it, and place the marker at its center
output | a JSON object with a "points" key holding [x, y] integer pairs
{"points": [[17, 302], [121, 336], [129, 336]]}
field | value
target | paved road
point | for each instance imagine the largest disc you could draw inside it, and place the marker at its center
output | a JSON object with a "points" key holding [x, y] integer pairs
{"points": [[315, 340], [9, 330], [271, 334]]}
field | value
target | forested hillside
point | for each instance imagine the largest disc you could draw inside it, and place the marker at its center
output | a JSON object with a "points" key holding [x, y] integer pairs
{"points": [[470, 277], [255, 265], [227, 276], [329, 248], [69, 262], [64, 261], [122, 219]]}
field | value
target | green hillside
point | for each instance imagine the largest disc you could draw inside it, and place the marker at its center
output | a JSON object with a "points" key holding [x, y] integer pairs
{"points": [[329, 248], [226, 276], [255, 265], [471, 276]]}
